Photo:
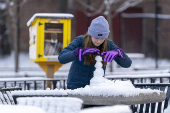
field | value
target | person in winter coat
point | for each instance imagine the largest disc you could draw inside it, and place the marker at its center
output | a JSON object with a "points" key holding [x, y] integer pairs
{"points": [[83, 50]]}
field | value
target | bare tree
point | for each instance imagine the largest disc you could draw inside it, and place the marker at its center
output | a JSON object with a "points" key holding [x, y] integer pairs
{"points": [[4, 41], [106, 9], [13, 11]]}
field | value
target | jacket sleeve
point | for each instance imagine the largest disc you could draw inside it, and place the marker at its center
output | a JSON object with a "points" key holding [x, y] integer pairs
{"points": [[122, 62], [68, 53]]}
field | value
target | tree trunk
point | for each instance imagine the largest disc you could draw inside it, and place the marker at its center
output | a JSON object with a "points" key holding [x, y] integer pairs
{"points": [[109, 18]]}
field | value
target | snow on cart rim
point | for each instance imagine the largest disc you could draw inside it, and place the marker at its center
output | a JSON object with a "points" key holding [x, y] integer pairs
{"points": [[40, 92]]}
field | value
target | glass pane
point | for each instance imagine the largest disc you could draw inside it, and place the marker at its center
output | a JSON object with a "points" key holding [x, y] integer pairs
{"points": [[54, 26], [53, 43]]}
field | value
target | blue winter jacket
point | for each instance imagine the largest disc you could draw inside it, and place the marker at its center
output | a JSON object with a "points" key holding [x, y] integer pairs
{"points": [[80, 73]]}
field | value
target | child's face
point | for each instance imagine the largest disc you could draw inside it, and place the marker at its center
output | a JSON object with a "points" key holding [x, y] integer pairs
{"points": [[97, 41]]}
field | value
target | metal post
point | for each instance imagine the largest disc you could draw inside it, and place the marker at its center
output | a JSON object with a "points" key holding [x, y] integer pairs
{"points": [[122, 32], [35, 85], [17, 35], [44, 85], [5, 84], [109, 19], [24, 85], [156, 33], [64, 84], [88, 10], [14, 83], [50, 74], [54, 84], [143, 34]]}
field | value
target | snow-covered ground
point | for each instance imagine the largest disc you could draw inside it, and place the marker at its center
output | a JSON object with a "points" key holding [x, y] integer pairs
{"points": [[167, 110], [24, 62], [20, 109], [28, 68]]}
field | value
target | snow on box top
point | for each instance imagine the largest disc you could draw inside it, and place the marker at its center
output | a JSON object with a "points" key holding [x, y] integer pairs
{"points": [[49, 15]]}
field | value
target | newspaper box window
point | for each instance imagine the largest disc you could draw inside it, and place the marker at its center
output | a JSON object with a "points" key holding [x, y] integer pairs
{"points": [[53, 43], [49, 34]]}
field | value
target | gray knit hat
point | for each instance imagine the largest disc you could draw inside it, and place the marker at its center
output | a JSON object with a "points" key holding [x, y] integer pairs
{"points": [[99, 28]]}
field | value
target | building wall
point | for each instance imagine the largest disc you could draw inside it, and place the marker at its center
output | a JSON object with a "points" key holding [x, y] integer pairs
{"points": [[163, 28], [81, 22], [164, 31], [27, 10]]}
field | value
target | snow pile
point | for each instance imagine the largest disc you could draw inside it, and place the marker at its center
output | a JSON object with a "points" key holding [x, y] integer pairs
{"points": [[53, 104], [108, 109], [167, 110], [111, 88], [100, 86], [20, 109], [40, 92]]}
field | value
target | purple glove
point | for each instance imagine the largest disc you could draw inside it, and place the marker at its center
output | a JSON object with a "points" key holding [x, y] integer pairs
{"points": [[110, 55], [81, 52], [121, 53]]}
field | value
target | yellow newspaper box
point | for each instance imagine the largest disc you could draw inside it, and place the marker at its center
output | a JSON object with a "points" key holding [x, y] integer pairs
{"points": [[49, 33]]}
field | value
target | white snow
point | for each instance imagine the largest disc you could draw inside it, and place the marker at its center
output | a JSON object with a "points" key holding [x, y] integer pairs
{"points": [[53, 104], [60, 92], [11, 3], [145, 63], [139, 75], [24, 61], [33, 41], [136, 55], [32, 50], [167, 110], [108, 109], [26, 67], [30, 68], [118, 86], [49, 15], [20, 109], [100, 86], [26, 79], [98, 73], [149, 63], [35, 73], [111, 88], [2, 6]]}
